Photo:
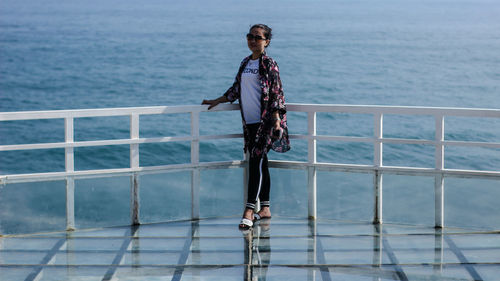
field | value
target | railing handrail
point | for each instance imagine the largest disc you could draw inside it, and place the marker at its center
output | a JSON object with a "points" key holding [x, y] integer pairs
{"points": [[378, 169], [367, 109]]}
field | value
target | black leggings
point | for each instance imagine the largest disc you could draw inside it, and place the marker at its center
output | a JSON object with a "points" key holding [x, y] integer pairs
{"points": [[259, 182]]}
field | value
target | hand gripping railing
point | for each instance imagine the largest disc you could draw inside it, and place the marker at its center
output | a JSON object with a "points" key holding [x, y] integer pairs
{"points": [[311, 165]]}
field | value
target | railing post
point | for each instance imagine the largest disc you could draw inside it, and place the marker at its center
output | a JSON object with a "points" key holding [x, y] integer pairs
{"points": [[134, 163], [195, 160], [69, 167], [439, 179], [311, 170], [378, 162]]}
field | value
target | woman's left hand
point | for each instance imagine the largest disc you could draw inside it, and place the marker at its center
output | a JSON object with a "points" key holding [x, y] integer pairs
{"points": [[277, 125]]}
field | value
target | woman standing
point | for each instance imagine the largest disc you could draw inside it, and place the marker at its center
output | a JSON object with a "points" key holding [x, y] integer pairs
{"points": [[258, 89]]}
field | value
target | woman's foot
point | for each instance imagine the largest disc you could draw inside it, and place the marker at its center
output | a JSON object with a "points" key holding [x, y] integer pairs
{"points": [[247, 219], [264, 213]]}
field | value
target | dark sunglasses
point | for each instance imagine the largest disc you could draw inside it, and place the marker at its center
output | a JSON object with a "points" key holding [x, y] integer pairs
{"points": [[254, 37]]}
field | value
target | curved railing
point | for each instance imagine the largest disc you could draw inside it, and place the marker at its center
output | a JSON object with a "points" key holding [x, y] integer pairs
{"points": [[438, 171]]}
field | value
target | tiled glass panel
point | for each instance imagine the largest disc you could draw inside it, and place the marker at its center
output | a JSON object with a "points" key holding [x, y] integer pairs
{"points": [[221, 192], [285, 257], [90, 273], [445, 272], [148, 258], [488, 272], [89, 244], [27, 243], [217, 244], [160, 230], [144, 273], [33, 207], [158, 192], [62, 258], [102, 202], [408, 199], [347, 243], [345, 229], [412, 242], [345, 196], [355, 257], [9, 273], [215, 258], [21, 257], [276, 273], [162, 244], [487, 255], [484, 241], [425, 256]]}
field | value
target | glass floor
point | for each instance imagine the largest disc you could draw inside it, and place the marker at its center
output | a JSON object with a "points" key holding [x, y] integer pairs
{"points": [[276, 249]]}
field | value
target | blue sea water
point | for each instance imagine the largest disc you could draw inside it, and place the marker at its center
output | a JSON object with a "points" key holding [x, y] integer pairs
{"points": [[98, 54]]}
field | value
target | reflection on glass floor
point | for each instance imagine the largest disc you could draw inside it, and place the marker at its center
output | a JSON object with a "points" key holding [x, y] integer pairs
{"points": [[277, 249]]}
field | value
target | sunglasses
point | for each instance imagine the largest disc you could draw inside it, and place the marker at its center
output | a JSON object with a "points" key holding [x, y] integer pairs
{"points": [[251, 37]]}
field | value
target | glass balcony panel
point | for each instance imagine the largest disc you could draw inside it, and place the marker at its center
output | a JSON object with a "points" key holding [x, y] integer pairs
{"points": [[472, 158], [472, 203], [221, 192], [31, 131], [233, 150], [472, 129], [161, 125], [102, 202], [345, 196], [345, 152], [344, 124], [158, 154], [211, 124], [408, 199], [158, 191], [32, 161], [288, 193], [409, 155], [32, 207], [409, 126], [102, 157], [101, 128]]}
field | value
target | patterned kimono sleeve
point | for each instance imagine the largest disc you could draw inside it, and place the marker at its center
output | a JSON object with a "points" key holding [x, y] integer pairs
{"points": [[276, 95], [232, 94]]}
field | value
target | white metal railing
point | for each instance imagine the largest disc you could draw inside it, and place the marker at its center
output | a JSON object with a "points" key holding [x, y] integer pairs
{"points": [[311, 165]]}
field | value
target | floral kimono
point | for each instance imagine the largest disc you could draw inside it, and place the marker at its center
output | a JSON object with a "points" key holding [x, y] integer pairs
{"points": [[271, 100]]}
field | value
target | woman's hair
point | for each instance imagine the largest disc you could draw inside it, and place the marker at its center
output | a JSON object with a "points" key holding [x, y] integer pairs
{"points": [[267, 31]]}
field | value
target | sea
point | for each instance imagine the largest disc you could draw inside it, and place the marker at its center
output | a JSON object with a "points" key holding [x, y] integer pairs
{"points": [[57, 55]]}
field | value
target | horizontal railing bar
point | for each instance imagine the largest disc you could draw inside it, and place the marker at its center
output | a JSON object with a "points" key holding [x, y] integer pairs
{"points": [[105, 112], [367, 109], [110, 142], [398, 110]]}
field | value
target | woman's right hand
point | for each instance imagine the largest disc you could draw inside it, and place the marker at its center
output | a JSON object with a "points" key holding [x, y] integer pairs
{"points": [[212, 103]]}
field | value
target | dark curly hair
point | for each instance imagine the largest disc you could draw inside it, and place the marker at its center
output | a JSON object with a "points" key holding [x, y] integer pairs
{"points": [[267, 31]]}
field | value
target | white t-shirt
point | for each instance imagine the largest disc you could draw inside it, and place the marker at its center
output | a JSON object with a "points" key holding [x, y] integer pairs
{"points": [[251, 92]]}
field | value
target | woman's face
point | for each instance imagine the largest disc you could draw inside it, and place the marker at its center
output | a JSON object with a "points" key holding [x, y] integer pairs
{"points": [[256, 40]]}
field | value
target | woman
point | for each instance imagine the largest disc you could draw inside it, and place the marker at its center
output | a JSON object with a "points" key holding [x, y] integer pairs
{"points": [[258, 89]]}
